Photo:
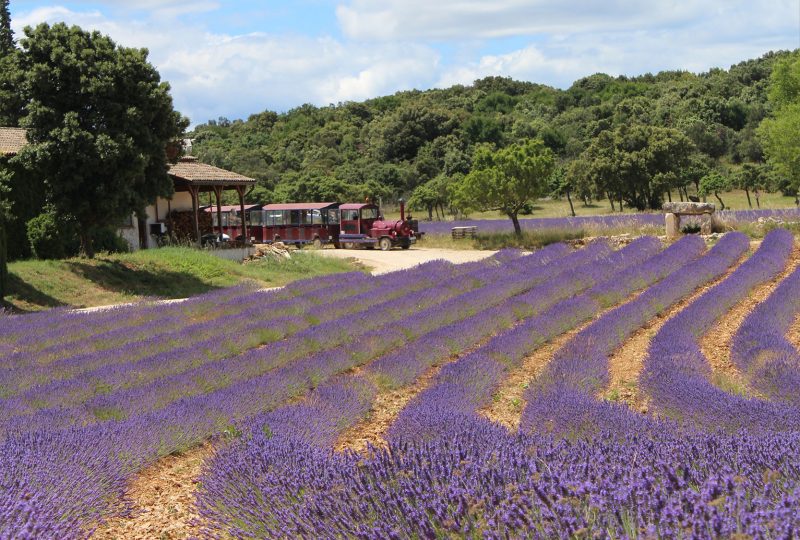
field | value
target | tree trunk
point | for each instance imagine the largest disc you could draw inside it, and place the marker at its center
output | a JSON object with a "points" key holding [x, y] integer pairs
{"points": [[571, 208], [87, 246], [758, 198], [430, 213], [3, 263], [722, 204], [611, 200], [621, 208], [669, 195], [515, 221], [680, 194], [747, 192]]}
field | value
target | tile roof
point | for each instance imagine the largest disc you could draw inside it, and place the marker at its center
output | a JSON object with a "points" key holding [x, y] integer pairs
{"points": [[192, 171], [12, 140]]}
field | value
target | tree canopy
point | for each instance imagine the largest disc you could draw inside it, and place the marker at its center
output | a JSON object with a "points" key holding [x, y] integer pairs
{"points": [[99, 122], [780, 133], [403, 141], [507, 179]]}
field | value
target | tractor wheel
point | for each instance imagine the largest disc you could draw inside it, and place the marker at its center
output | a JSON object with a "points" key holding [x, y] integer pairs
{"points": [[348, 245], [405, 246], [317, 243], [337, 245], [385, 244]]}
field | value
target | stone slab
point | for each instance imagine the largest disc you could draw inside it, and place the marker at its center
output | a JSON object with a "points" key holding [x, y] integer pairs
{"points": [[689, 208], [673, 222]]}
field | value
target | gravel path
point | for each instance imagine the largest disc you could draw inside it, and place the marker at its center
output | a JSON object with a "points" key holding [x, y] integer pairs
{"points": [[382, 262]]}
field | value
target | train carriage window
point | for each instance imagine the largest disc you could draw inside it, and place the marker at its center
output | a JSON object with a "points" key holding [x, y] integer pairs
{"points": [[294, 217], [316, 217], [369, 213], [333, 217], [349, 215]]}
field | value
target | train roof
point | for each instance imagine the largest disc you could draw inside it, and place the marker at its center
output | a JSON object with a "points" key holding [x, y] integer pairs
{"points": [[301, 206], [355, 206], [231, 208]]}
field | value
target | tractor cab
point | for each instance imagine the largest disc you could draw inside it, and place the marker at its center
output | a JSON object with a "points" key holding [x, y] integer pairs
{"points": [[357, 219], [361, 224]]}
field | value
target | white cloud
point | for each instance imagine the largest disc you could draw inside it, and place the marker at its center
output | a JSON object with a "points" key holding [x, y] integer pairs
{"points": [[220, 75], [464, 19], [390, 45]]}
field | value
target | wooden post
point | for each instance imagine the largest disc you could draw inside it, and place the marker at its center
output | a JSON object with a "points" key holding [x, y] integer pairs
{"points": [[218, 196], [194, 192], [240, 191]]}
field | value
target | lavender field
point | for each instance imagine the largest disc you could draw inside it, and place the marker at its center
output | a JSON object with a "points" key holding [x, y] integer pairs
{"points": [[602, 223], [287, 384]]}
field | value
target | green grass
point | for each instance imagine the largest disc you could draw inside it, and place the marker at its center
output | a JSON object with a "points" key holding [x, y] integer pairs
{"points": [[545, 208], [175, 272]]}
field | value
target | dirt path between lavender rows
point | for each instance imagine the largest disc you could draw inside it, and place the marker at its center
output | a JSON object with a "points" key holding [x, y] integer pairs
{"points": [[382, 262], [716, 344], [626, 363], [163, 500]]}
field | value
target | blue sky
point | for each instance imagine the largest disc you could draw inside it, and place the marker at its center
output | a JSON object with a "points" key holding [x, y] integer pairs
{"points": [[234, 58]]}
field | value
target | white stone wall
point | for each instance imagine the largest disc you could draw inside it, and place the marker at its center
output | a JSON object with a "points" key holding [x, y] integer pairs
{"points": [[156, 213]]}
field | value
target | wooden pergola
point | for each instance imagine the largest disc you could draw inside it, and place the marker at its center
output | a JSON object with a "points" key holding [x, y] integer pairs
{"points": [[194, 177]]}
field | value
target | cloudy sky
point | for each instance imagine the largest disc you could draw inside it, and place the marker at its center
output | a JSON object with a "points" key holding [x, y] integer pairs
{"points": [[233, 58]]}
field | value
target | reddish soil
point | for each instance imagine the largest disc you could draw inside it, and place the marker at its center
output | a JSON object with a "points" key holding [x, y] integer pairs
{"points": [[163, 498], [627, 362], [716, 344], [794, 333], [509, 401]]}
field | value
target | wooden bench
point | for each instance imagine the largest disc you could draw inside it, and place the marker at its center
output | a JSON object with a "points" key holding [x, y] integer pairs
{"points": [[464, 232]]}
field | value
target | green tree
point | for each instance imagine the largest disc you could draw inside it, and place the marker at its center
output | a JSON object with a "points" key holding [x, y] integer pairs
{"points": [[715, 183], [751, 177], [637, 163], [6, 53], [507, 179], [561, 185], [99, 124], [6, 34], [4, 177], [780, 133]]}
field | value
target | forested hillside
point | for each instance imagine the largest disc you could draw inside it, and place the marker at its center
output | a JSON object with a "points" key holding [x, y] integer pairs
{"points": [[636, 140]]}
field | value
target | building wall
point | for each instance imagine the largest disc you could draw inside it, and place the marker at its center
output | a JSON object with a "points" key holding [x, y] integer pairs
{"points": [[155, 213]]}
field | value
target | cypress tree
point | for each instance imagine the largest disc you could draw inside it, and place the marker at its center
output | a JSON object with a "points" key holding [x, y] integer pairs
{"points": [[3, 264], [6, 34], [6, 50]]}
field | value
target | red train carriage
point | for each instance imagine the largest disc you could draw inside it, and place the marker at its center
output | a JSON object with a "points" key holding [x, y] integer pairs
{"points": [[296, 223], [362, 225], [231, 219]]}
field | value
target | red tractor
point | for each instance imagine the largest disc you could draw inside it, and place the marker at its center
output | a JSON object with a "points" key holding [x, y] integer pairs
{"points": [[362, 224]]}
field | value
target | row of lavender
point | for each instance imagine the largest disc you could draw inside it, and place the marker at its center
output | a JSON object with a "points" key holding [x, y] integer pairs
{"points": [[55, 482], [450, 471], [612, 221], [459, 387]]}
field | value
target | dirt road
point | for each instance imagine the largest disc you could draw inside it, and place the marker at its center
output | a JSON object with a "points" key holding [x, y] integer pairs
{"points": [[399, 259]]}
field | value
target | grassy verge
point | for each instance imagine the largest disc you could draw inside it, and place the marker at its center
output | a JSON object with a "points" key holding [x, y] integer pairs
{"points": [[166, 273], [545, 208], [530, 239]]}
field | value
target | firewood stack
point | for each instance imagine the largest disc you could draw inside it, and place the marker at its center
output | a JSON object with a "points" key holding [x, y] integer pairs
{"points": [[180, 224]]}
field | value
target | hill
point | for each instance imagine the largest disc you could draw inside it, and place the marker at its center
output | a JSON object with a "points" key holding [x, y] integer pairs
{"points": [[417, 142]]}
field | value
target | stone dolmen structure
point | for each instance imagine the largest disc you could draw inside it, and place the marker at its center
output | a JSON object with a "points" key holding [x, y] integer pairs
{"points": [[675, 210]]}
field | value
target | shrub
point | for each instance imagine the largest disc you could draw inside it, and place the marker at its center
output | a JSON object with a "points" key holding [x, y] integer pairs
{"points": [[106, 239], [52, 236]]}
